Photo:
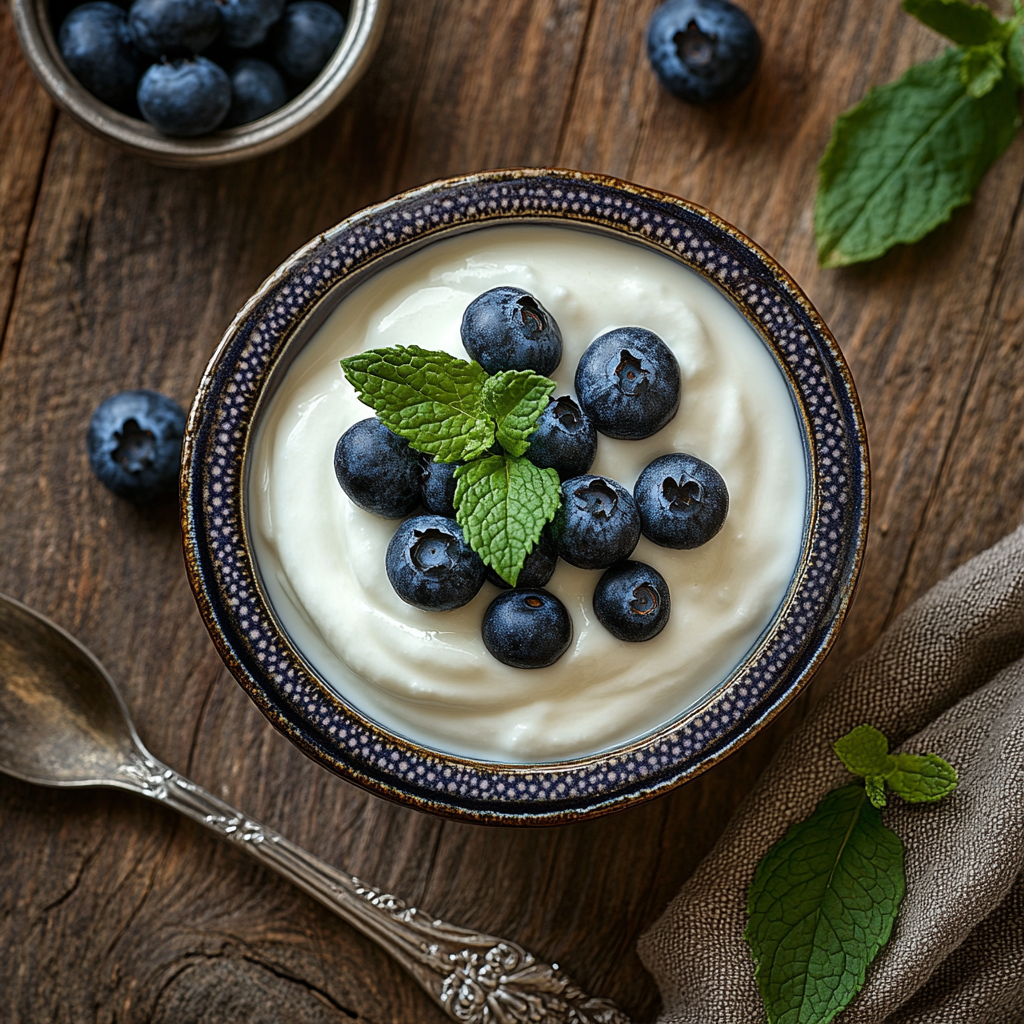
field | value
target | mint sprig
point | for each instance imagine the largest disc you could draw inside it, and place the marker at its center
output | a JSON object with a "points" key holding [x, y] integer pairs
{"points": [[912, 151], [825, 897], [453, 410]]}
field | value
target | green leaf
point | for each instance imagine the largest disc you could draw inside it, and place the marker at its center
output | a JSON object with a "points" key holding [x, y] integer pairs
{"points": [[432, 399], [875, 786], [865, 751], [821, 906], [1015, 54], [905, 157], [982, 68], [922, 778], [966, 24], [516, 398], [502, 504]]}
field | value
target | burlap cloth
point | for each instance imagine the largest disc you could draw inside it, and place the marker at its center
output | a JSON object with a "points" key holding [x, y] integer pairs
{"points": [[947, 677]]}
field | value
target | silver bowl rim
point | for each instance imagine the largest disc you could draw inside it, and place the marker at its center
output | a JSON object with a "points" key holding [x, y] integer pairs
{"points": [[347, 64]]}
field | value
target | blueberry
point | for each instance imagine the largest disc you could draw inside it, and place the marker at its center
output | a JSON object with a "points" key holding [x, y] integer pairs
{"points": [[244, 23], [185, 97], [564, 440], [97, 47], [377, 469], [628, 383], [134, 444], [538, 568], [682, 501], [306, 36], [508, 329], [597, 523], [431, 566], [702, 50], [632, 601], [527, 628], [437, 487], [256, 89], [173, 28]]}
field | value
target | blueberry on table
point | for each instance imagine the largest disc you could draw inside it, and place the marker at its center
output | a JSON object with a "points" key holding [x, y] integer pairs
{"points": [[682, 501], [632, 601], [185, 97], [702, 50], [173, 28], [244, 23], [527, 628], [377, 469], [257, 89], [597, 523], [538, 568], [134, 444], [431, 566], [628, 383], [437, 487], [565, 439], [96, 45], [307, 34], [508, 329]]}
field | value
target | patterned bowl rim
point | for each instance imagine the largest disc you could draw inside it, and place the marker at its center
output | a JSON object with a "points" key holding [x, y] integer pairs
{"points": [[289, 306]]}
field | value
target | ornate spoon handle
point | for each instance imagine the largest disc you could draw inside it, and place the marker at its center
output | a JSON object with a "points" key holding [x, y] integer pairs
{"points": [[475, 978]]}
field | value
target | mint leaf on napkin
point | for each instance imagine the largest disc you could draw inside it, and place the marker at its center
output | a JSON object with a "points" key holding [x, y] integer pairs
{"points": [[906, 156], [915, 777], [824, 898], [966, 24], [432, 399], [502, 504], [516, 398], [920, 778], [822, 904]]}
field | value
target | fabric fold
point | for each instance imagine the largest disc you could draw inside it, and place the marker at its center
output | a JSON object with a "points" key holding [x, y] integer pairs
{"points": [[948, 678]]}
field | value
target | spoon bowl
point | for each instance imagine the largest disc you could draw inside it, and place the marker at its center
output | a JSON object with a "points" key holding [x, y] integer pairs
{"points": [[64, 724]]}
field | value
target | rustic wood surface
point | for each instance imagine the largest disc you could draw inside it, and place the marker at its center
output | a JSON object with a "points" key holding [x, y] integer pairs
{"points": [[115, 274]]}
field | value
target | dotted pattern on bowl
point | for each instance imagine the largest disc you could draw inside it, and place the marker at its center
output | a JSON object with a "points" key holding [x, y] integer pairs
{"points": [[306, 709]]}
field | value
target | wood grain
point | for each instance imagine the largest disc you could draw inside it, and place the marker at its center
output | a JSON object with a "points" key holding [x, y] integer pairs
{"points": [[115, 274]]}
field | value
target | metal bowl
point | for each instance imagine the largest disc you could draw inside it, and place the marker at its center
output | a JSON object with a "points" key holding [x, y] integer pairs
{"points": [[312, 105], [285, 312]]}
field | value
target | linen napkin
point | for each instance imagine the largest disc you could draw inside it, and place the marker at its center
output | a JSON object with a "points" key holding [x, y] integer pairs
{"points": [[946, 678]]}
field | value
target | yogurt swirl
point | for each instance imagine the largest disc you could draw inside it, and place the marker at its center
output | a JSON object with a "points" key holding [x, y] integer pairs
{"points": [[427, 675]]}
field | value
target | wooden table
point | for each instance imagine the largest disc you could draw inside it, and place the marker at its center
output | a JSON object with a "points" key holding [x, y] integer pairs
{"points": [[117, 274]]}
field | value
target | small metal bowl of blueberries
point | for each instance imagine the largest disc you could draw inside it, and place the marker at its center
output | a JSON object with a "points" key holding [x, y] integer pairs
{"points": [[199, 82]]}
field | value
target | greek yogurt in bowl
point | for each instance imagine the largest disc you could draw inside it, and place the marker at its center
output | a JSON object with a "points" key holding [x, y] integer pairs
{"points": [[290, 577], [426, 675]]}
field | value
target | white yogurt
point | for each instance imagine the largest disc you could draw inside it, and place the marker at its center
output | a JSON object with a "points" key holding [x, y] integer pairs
{"points": [[427, 675]]}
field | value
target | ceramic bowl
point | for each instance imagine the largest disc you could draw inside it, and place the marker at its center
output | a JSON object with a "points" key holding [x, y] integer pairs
{"points": [[282, 316], [39, 42]]}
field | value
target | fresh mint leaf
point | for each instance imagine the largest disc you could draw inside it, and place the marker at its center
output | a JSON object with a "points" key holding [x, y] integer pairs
{"points": [[822, 904], [905, 157], [516, 398], [966, 24], [432, 399], [865, 751], [502, 504], [982, 68], [920, 778]]}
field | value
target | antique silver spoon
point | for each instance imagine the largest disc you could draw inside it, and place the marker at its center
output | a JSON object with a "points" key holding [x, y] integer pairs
{"points": [[63, 723]]}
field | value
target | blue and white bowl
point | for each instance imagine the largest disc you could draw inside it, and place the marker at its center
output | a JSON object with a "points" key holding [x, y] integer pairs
{"points": [[285, 312]]}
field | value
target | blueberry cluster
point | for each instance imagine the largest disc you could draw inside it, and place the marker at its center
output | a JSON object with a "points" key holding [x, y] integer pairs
{"points": [[627, 386], [191, 66]]}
